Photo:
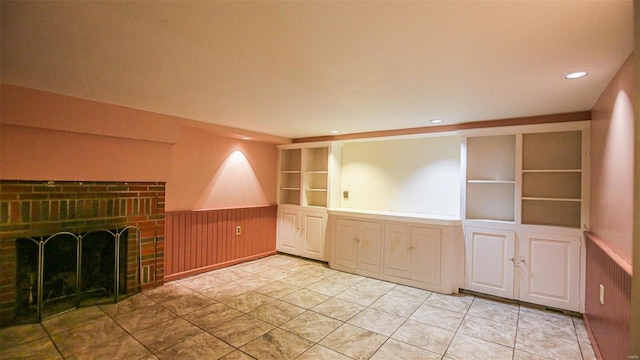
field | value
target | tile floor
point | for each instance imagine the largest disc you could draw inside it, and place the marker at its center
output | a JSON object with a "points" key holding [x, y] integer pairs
{"points": [[283, 307]]}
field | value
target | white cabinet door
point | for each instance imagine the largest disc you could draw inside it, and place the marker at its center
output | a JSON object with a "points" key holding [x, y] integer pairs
{"points": [[369, 239], [489, 265], [313, 231], [345, 243], [397, 251], [369, 246], [425, 254], [550, 270], [287, 239]]}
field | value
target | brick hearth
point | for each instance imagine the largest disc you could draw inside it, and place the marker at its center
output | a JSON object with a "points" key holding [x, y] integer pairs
{"points": [[37, 208]]}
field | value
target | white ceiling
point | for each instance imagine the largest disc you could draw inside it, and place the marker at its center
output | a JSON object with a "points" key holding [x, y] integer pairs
{"points": [[302, 68]]}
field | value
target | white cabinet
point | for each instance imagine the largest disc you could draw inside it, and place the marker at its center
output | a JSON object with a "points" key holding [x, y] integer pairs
{"points": [[518, 182], [357, 245], [412, 252], [416, 251], [307, 174], [538, 268], [302, 232], [549, 267], [489, 264]]}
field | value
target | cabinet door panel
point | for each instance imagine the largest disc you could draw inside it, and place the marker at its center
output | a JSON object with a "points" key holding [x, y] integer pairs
{"points": [[313, 229], [425, 255], [345, 243], [288, 232], [369, 246], [550, 270], [396, 251], [488, 266]]}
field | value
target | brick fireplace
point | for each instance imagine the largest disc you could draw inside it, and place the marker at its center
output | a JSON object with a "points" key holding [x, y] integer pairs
{"points": [[37, 209]]}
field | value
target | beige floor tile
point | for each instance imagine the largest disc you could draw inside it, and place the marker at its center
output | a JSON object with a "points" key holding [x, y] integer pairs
{"points": [[248, 301], [396, 305], [374, 286], [467, 348], [279, 260], [377, 321], [549, 324], [167, 292], [41, 349], [587, 351], [86, 336], [212, 316], [346, 278], [312, 326], [409, 293], [225, 291], [544, 344], [277, 289], [359, 296], [523, 355], [446, 319], [238, 355], [493, 331], [424, 336], [127, 305], [166, 334], [277, 273], [201, 282], [230, 274], [187, 304], [277, 344], [338, 309], [125, 347], [201, 346], [458, 303], [73, 319], [241, 330], [353, 341], [318, 352], [393, 349], [277, 313], [254, 282], [144, 318], [15, 335], [305, 298], [328, 287], [495, 311], [301, 279]]}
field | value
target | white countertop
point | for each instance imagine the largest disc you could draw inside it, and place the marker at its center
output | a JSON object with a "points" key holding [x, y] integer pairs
{"points": [[397, 216]]}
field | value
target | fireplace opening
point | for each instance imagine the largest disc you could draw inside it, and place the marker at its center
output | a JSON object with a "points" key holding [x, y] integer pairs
{"points": [[64, 271]]}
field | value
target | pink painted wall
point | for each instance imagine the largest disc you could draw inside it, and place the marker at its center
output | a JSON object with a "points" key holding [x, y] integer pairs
{"points": [[612, 152], [214, 172], [45, 136]]}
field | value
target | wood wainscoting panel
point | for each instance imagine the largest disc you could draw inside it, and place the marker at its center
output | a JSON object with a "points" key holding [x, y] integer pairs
{"points": [[607, 322], [199, 241]]}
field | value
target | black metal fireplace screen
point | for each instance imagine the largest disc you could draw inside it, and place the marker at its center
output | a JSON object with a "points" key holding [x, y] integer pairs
{"points": [[65, 271]]}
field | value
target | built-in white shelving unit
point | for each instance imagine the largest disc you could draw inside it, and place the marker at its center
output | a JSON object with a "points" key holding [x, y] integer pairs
{"points": [[552, 179], [524, 207], [491, 181], [307, 173]]}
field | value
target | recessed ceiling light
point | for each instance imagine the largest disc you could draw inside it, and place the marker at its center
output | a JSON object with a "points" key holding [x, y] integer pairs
{"points": [[435, 121], [334, 131], [575, 75]]}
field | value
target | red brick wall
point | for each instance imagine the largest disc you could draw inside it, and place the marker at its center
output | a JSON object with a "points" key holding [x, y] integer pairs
{"points": [[37, 208]]}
